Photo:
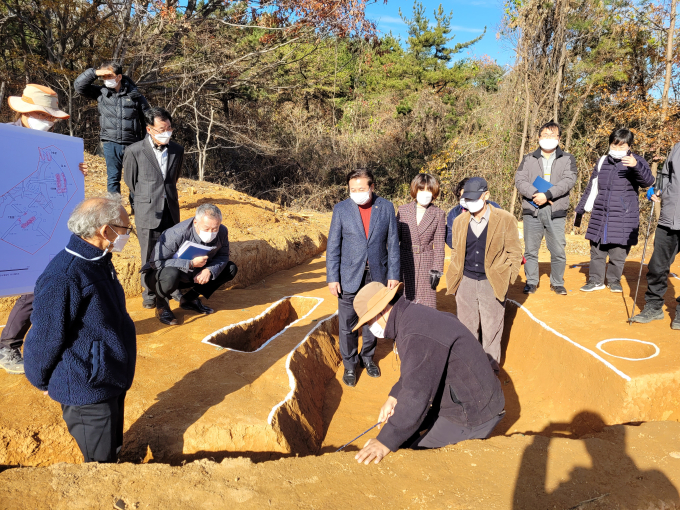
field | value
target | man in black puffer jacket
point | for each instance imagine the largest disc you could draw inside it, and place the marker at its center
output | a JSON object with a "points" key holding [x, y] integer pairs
{"points": [[121, 115], [82, 347]]}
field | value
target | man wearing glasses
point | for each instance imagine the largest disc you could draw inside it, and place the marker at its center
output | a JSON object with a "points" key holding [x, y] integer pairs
{"points": [[151, 169], [82, 348]]}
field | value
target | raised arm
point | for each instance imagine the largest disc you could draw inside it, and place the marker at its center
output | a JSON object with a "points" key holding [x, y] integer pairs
{"points": [[83, 84]]}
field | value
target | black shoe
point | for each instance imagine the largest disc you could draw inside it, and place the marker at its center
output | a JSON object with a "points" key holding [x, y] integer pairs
{"points": [[530, 289], [371, 368], [350, 378], [558, 289], [166, 316], [196, 306], [649, 314], [615, 287], [149, 303]]}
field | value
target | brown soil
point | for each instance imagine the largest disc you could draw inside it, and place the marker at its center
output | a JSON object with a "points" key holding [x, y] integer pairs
{"points": [[193, 401]]}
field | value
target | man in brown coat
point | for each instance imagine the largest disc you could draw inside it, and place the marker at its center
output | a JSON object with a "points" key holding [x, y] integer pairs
{"points": [[486, 256]]}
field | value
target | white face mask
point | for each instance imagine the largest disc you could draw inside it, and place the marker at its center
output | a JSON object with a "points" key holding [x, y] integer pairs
{"points": [[377, 330], [548, 144], [424, 198], [207, 237], [361, 197], [617, 154], [119, 242], [112, 84], [39, 124], [164, 137], [472, 205]]}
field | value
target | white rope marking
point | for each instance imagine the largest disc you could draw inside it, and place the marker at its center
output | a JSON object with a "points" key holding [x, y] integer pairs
{"points": [[291, 378], [592, 353], [600, 344], [211, 336]]}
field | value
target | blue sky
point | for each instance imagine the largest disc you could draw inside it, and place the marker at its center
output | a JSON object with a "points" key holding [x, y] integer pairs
{"points": [[468, 21]]}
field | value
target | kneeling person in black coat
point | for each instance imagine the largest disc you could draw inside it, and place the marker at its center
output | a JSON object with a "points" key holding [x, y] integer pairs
{"points": [[202, 275], [447, 390], [82, 347]]}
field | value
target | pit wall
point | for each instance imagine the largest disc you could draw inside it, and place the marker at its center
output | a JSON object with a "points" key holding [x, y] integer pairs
{"points": [[298, 419], [550, 380]]}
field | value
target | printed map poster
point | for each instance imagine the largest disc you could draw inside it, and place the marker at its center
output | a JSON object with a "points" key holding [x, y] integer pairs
{"points": [[40, 185]]}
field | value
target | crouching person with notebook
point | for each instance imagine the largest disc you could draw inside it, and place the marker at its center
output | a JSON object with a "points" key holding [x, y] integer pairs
{"points": [[193, 256]]}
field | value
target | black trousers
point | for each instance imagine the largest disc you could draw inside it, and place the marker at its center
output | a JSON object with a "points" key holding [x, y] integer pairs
{"points": [[97, 428], [666, 243], [347, 319], [441, 431], [598, 262], [167, 280], [18, 323], [148, 237]]}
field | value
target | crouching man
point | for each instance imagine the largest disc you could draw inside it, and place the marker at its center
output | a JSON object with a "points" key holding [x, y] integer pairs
{"points": [[447, 391], [82, 347], [201, 275]]}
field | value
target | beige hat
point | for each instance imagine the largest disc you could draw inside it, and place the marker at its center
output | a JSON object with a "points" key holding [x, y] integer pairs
{"points": [[371, 300], [37, 98]]}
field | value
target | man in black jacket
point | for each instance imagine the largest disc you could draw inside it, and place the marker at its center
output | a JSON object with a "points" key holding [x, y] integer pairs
{"points": [[121, 115], [151, 170], [447, 391]]}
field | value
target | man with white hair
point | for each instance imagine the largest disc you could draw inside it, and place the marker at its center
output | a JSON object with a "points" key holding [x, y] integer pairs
{"points": [[82, 348], [201, 275]]}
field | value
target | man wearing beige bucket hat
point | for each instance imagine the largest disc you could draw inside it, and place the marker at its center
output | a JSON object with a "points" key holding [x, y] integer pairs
{"points": [[447, 390], [37, 108]]}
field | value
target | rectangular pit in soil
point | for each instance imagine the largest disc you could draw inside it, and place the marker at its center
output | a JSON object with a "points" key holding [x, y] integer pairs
{"points": [[253, 334]]}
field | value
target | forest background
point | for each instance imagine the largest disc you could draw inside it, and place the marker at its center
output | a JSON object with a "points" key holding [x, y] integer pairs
{"points": [[281, 98]]}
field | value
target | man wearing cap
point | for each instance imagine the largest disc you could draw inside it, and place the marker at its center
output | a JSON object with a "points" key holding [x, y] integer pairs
{"points": [[447, 390], [545, 213], [121, 115], [38, 109], [363, 246], [486, 256]]}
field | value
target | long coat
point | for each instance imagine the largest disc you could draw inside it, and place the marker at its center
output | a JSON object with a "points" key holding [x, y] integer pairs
{"points": [[348, 249], [422, 249], [615, 218], [444, 371]]}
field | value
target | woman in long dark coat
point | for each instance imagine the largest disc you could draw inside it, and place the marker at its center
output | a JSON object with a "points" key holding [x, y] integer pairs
{"points": [[422, 232], [615, 218]]}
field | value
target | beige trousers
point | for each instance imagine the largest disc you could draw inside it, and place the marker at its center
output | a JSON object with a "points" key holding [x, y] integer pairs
{"points": [[478, 309]]}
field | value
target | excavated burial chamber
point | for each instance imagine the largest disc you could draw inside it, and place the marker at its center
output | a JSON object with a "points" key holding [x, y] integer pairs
{"points": [[253, 334]]}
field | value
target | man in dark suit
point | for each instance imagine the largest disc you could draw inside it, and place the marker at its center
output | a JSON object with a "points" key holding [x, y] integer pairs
{"points": [[151, 169], [363, 246]]}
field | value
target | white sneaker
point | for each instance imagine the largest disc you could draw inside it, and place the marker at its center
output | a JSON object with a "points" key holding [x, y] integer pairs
{"points": [[11, 360]]}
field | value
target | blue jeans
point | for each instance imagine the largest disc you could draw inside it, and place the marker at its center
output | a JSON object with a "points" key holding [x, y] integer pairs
{"points": [[113, 154]]}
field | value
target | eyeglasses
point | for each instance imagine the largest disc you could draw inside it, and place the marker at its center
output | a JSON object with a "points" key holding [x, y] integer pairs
{"points": [[158, 131], [128, 229]]}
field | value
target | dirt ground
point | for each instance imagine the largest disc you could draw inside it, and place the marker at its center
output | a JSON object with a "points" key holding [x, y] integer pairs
{"points": [[246, 406]]}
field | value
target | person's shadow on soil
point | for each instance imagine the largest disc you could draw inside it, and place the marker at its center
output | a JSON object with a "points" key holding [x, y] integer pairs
{"points": [[613, 481]]}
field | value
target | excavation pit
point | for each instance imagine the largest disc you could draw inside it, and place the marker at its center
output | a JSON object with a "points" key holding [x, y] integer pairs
{"points": [[254, 334]]}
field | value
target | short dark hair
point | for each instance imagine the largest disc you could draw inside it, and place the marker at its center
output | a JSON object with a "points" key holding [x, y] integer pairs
{"points": [[459, 187], [425, 181], [156, 113], [622, 135], [550, 126], [360, 173], [115, 67]]}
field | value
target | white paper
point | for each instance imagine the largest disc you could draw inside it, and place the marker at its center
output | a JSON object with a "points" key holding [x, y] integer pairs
{"points": [[40, 186]]}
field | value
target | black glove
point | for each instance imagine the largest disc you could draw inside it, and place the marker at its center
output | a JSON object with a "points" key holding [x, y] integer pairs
{"points": [[434, 278]]}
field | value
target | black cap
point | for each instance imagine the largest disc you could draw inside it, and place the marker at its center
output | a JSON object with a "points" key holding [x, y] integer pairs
{"points": [[475, 188]]}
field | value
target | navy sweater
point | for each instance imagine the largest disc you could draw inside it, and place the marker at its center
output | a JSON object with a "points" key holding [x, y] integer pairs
{"points": [[82, 346]]}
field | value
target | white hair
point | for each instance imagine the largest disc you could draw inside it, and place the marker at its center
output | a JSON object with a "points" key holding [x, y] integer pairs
{"points": [[92, 214], [210, 210]]}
